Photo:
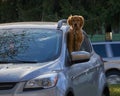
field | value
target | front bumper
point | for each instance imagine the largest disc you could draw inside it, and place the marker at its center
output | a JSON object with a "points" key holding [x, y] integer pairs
{"points": [[17, 90]]}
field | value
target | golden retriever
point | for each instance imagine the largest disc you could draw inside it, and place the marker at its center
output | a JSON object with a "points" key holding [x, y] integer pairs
{"points": [[75, 34]]}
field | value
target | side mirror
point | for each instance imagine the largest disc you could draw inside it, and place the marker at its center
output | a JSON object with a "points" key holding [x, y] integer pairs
{"points": [[80, 56]]}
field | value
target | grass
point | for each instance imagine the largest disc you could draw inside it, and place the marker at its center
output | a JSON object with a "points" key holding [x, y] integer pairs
{"points": [[114, 90]]}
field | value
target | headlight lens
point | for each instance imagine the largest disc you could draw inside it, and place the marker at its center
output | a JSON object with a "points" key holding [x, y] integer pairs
{"points": [[43, 81]]}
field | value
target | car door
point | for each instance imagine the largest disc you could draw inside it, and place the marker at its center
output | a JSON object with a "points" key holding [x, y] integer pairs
{"points": [[83, 74]]}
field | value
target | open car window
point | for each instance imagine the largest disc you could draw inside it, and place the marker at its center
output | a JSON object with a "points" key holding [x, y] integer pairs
{"points": [[86, 46]]}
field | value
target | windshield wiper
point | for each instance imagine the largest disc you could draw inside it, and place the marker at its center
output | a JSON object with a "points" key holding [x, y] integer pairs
{"points": [[19, 61]]}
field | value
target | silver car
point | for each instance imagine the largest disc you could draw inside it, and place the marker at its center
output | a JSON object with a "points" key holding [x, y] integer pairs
{"points": [[110, 51], [34, 61]]}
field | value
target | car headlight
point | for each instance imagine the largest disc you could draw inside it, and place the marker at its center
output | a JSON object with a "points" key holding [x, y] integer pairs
{"points": [[41, 82]]}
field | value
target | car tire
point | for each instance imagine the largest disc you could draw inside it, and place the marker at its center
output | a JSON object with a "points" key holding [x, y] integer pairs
{"points": [[113, 77]]}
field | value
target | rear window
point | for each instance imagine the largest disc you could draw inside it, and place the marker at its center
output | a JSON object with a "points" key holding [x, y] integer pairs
{"points": [[116, 50], [100, 49]]}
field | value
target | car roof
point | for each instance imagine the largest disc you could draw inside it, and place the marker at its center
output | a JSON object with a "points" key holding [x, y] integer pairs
{"points": [[60, 25], [52, 25]]}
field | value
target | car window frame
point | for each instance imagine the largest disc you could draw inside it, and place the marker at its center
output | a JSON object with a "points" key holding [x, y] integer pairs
{"points": [[86, 41]]}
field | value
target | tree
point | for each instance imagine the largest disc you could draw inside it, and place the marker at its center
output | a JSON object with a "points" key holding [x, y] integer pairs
{"points": [[97, 13], [8, 11]]}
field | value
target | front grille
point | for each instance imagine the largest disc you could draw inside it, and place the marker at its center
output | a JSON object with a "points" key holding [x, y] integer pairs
{"points": [[7, 86]]}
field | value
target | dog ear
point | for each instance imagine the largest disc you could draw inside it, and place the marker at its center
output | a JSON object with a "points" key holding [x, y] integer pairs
{"points": [[69, 20], [81, 21]]}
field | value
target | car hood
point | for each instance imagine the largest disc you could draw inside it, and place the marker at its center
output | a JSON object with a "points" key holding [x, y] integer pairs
{"points": [[23, 72]]}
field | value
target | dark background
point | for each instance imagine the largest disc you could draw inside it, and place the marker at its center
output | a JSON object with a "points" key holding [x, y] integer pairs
{"points": [[98, 14]]}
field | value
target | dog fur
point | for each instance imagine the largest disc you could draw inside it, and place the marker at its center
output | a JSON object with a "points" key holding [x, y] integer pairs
{"points": [[75, 35]]}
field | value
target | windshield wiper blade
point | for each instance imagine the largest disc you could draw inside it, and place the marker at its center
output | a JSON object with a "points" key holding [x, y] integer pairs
{"points": [[19, 61]]}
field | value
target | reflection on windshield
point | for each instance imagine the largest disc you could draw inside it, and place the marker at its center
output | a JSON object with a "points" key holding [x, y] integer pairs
{"points": [[32, 45]]}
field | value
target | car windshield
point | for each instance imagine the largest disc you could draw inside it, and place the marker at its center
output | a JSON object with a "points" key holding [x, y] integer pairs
{"points": [[29, 45]]}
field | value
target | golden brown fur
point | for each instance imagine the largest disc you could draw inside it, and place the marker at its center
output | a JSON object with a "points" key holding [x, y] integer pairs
{"points": [[75, 34]]}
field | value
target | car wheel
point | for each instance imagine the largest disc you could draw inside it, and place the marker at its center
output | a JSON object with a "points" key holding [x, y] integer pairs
{"points": [[113, 77]]}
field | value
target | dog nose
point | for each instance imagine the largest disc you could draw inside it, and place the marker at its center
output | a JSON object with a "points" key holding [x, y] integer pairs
{"points": [[75, 24]]}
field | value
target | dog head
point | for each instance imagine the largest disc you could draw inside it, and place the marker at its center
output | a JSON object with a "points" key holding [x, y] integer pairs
{"points": [[76, 22]]}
